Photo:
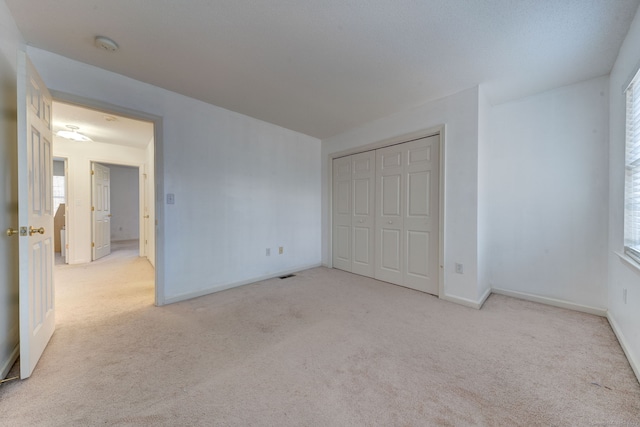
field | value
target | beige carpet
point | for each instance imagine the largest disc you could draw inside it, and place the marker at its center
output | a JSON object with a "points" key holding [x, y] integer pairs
{"points": [[324, 348]]}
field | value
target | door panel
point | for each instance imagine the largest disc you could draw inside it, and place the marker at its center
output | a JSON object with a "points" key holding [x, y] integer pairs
{"points": [[361, 197], [418, 194], [344, 244], [417, 245], [391, 194], [361, 240], [342, 213], [35, 201], [363, 219], [389, 218], [101, 206], [421, 220], [390, 260], [343, 197]]}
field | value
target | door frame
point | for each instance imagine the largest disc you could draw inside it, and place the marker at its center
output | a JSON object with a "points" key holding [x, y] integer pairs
{"points": [[158, 172], [141, 201], [432, 131]]}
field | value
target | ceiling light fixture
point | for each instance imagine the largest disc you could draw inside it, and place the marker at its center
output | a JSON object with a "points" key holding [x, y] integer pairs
{"points": [[73, 134], [106, 43]]}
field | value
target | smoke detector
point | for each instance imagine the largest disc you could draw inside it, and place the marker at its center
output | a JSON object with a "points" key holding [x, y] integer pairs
{"points": [[106, 43]]}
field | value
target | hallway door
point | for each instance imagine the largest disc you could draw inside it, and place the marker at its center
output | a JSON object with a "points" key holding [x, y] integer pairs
{"points": [[101, 210]]}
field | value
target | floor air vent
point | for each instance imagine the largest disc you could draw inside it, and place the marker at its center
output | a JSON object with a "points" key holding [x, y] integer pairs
{"points": [[287, 276]]}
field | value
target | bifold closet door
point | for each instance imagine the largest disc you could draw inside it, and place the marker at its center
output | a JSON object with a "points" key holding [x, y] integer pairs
{"points": [[389, 215], [407, 214], [363, 220], [342, 213], [353, 213]]}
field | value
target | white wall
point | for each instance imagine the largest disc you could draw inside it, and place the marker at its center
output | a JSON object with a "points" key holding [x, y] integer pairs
{"points": [[622, 275], [10, 42], [547, 188], [459, 113], [484, 204], [125, 202], [240, 185], [79, 157]]}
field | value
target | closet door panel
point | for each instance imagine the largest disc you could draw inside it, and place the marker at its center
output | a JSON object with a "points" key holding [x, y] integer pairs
{"points": [[342, 212], [421, 222], [363, 219], [389, 214]]}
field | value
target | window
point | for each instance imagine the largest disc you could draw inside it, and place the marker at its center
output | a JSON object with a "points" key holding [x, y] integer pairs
{"points": [[632, 172], [58, 192]]}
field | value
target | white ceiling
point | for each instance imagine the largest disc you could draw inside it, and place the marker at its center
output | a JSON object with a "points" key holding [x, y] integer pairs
{"points": [[102, 127], [322, 67]]}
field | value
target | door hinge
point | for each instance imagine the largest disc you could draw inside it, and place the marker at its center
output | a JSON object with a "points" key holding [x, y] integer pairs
{"points": [[93, 173], [93, 208], [93, 244]]}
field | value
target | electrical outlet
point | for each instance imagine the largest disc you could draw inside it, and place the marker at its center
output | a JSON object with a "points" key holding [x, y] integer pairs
{"points": [[624, 295], [281, 250], [459, 268], [268, 251]]}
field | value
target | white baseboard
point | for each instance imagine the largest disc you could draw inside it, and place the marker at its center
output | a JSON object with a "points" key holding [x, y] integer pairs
{"points": [[6, 367], [633, 360], [225, 286], [468, 302], [552, 301]]}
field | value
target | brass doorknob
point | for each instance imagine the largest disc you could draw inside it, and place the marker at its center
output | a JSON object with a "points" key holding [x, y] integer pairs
{"points": [[11, 232], [33, 231]]}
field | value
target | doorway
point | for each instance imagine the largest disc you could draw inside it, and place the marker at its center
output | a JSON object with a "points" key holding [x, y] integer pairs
{"points": [[97, 214], [60, 192]]}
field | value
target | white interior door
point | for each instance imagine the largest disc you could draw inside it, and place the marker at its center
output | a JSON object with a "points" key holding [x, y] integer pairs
{"points": [[342, 213], [35, 211], [390, 183], [363, 219], [421, 215], [101, 209]]}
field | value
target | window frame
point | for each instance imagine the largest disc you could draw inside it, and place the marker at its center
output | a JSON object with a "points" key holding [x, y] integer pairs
{"points": [[631, 223]]}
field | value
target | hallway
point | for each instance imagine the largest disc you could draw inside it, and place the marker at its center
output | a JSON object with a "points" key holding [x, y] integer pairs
{"points": [[116, 284]]}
